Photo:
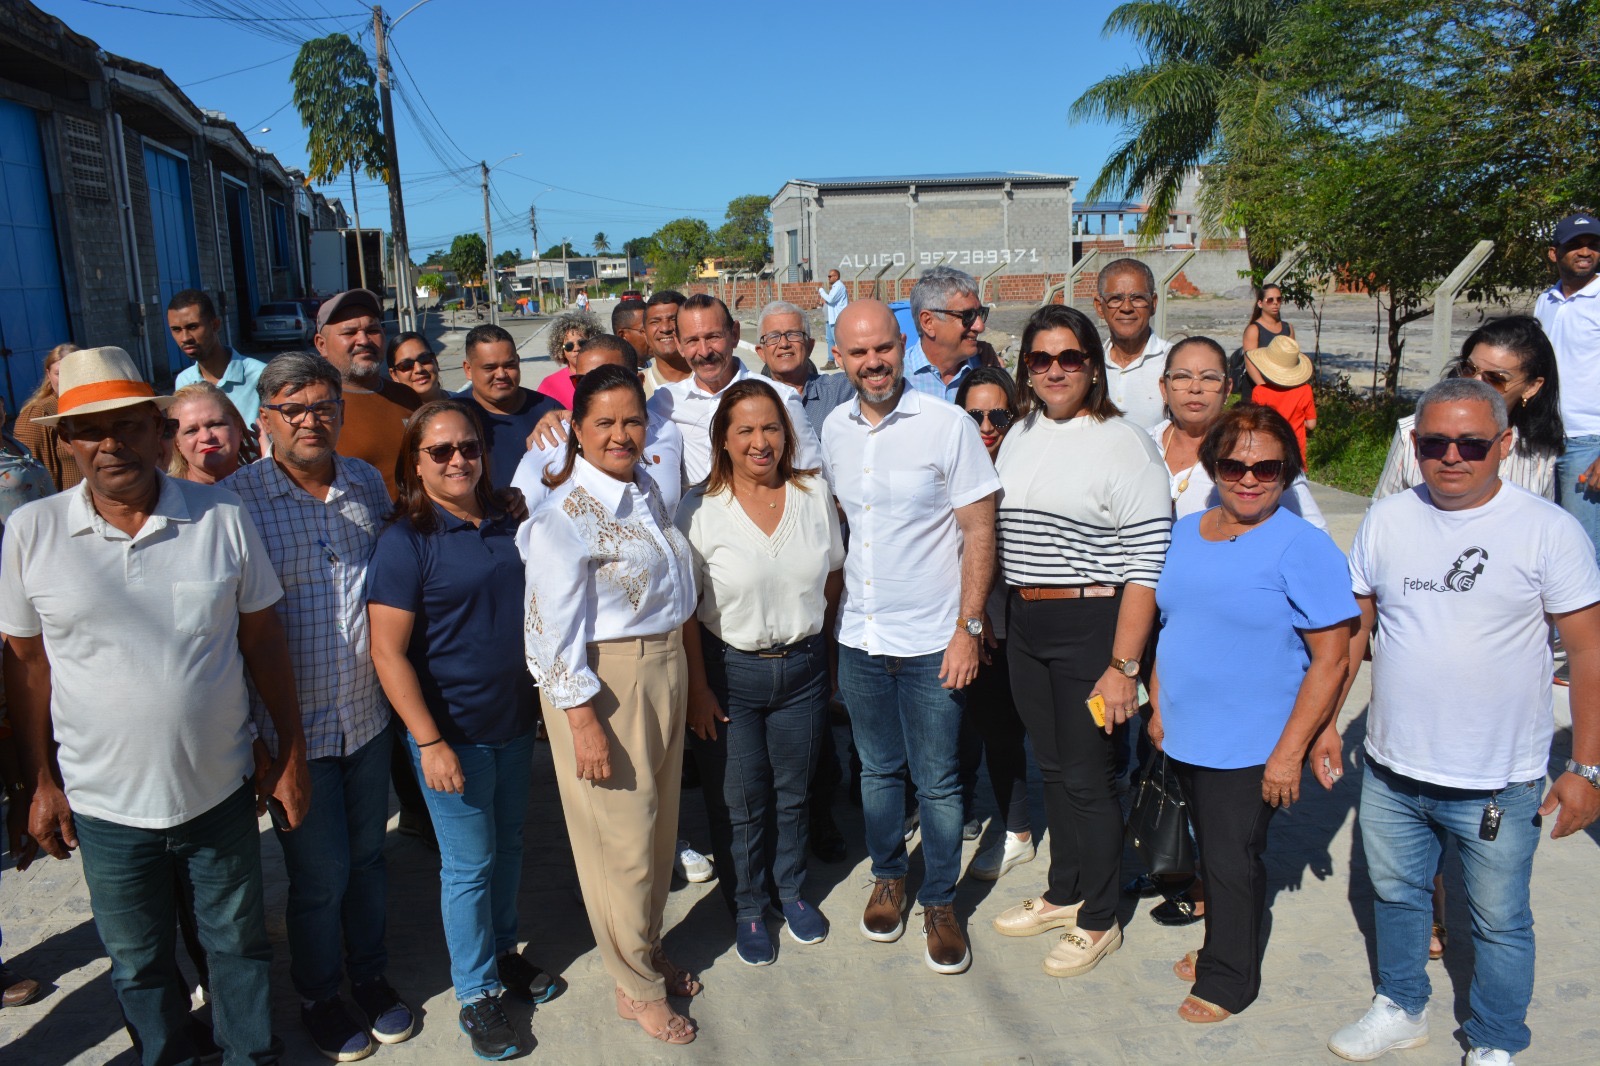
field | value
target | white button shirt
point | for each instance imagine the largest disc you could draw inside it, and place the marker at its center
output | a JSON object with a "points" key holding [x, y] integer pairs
{"points": [[1573, 325], [1136, 388], [604, 563], [691, 409], [900, 483]]}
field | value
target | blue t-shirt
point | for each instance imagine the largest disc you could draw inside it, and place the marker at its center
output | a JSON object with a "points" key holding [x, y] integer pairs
{"points": [[465, 586], [1231, 658], [508, 434]]}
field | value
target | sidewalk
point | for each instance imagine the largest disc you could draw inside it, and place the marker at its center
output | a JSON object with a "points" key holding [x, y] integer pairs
{"points": [[849, 1000]]}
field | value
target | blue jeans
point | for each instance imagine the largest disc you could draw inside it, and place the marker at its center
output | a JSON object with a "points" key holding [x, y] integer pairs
{"points": [[1580, 501], [777, 709], [829, 357], [906, 722], [1404, 823], [336, 876], [131, 874], [480, 857]]}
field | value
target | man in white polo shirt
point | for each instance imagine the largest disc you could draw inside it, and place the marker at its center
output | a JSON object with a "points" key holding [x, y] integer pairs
{"points": [[1125, 296], [707, 337], [1569, 311], [918, 491], [134, 605]]}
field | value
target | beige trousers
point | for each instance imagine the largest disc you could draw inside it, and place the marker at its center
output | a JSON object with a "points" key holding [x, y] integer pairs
{"points": [[624, 830]]}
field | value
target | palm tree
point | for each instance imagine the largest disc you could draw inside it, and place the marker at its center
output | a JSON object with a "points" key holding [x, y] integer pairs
{"points": [[333, 91], [1197, 91], [601, 244]]}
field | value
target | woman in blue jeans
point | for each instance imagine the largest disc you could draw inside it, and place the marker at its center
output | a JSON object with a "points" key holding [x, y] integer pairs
{"points": [[768, 555], [445, 599]]}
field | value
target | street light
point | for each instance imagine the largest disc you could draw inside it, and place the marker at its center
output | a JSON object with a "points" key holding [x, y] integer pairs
{"points": [[488, 240]]}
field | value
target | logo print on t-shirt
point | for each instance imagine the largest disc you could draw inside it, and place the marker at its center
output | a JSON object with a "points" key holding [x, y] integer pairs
{"points": [[1466, 570]]}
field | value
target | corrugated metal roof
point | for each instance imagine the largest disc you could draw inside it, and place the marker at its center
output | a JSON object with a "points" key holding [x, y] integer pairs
{"points": [[1021, 176], [1102, 206]]}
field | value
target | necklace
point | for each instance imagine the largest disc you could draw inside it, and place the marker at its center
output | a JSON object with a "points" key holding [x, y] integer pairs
{"points": [[1183, 485]]}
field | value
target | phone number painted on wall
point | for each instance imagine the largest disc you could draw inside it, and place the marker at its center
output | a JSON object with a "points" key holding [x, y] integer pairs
{"points": [[950, 257]]}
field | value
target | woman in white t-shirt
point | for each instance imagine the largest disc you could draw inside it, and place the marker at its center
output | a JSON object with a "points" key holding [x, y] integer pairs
{"points": [[769, 557]]}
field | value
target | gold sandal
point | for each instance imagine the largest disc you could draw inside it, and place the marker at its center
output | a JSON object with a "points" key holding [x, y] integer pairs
{"points": [[678, 1030], [1184, 967], [1202, 1012]]}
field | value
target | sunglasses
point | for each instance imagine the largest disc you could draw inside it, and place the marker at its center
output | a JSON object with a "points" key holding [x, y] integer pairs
{"points": [[1471, 449], [967, 317], [998, 417], [1266, 471], [405, 366], [441, 453], [1496, 379], [1071, 360], [570, 346]]}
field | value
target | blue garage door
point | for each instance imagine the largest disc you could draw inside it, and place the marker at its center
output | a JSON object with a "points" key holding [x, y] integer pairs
{"points": [[172, 229], [33, 313]]}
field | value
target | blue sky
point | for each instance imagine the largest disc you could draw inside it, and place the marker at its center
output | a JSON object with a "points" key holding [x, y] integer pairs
{"points": [[629, 114]]}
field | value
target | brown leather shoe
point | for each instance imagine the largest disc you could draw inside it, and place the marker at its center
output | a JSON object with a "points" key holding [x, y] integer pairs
{"points": [[18, 990], [884, 919], [947, 948]]}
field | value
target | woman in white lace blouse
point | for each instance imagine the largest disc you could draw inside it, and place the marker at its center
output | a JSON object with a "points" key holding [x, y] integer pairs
{"points": [[610, 583]]}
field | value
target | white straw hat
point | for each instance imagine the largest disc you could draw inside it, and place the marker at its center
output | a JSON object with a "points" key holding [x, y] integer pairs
{"points": [[1282, 362], [100, 379]]}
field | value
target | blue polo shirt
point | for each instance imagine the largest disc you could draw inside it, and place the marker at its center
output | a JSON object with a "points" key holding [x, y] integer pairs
{"points": [[465, 586], [508, 434], [925, 378], [238, 383]]}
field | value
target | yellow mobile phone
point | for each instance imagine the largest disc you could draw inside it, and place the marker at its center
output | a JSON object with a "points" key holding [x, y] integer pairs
{"points": [[1097, 705]]}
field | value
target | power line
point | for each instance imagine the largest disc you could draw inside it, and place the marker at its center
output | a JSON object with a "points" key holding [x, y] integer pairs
{"points": [[219, 17], [241, 70], [396, 53]]}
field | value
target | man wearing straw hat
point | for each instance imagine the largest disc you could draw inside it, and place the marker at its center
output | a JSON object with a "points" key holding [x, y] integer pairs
{"points": [[1282, 374], [134, 605]]}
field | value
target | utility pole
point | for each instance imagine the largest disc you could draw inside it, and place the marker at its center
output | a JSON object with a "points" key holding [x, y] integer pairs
{"points": [[404, 293], [566, 276], [538, 282], [488, 242]]}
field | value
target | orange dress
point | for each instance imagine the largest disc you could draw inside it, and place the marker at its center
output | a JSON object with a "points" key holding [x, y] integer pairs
{"points": [[1296, 405]]}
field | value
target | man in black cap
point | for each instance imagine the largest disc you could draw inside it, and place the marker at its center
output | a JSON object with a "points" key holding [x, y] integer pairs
{"points": [[1569, 311]]}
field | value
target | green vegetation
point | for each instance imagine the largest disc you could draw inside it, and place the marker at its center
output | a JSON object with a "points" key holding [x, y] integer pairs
{"points": [[1352, 437]]}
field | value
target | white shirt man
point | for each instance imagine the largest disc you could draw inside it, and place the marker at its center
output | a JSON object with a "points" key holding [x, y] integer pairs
{"points": [[1125, 298], [834, 300]]}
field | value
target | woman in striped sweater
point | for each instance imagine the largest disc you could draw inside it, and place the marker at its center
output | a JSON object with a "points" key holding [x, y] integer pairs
{"points": [[1084, 520]]}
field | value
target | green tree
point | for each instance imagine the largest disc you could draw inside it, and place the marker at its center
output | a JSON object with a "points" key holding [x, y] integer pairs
{"points": [[601, 243], [467, 257], [508, 258], [559, 251], [1198, 87], [677, 249], [434, 283], [744, 241]]}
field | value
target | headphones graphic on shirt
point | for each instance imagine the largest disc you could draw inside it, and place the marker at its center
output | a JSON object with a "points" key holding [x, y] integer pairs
{"points": [[1465, 571]]}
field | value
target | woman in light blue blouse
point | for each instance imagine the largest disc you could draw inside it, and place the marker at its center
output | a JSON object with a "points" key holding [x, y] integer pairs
{"points": [[1255, 604]]}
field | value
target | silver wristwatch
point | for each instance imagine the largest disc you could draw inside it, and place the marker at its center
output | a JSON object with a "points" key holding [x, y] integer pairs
{"points": [[1590, 774], [973, 626]]}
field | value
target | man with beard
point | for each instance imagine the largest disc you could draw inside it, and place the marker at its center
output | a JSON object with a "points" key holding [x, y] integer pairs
{"points": [[350, 336]]}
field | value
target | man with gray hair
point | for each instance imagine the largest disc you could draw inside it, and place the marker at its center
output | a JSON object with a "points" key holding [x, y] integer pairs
{"points": [[319, 515], [950, 318], [784, 343], [1459, 575], [1125, 296]]}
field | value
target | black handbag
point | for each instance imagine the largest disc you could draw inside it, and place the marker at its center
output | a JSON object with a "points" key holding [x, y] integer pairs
{"points": [[1158, 825]]}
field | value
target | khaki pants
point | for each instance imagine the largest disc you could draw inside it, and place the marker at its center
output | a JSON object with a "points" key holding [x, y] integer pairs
{"points": [[624, 830]]}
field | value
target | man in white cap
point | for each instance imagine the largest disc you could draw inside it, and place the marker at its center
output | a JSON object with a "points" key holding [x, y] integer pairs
{"points": [[134, 605]]}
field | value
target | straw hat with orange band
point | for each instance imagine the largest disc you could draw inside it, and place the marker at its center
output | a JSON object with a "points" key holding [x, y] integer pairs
{"points": [[100, 379]]}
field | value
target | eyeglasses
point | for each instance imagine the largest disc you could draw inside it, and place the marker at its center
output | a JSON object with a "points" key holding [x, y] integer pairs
{"points": [[405, 366], [1496, 379], [1136, 300], [1266, 471], [1470, 449], [998, 417], [441, 453], [793, 336], [1210, 381], [967, 317], [1071, 360], [297, 413]]}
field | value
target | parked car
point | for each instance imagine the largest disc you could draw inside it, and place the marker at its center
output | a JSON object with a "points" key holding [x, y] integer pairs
{"points": [[283, 324], [630, 294]]}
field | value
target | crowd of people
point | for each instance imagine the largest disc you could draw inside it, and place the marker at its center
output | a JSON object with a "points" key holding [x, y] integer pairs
{"points": [[317, 578]]}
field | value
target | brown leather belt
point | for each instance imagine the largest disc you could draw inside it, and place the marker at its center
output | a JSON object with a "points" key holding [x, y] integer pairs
{"points": [[1071, 592]]}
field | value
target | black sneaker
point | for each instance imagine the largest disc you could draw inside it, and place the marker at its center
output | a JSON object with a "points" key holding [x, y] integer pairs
{"points": [[525, 980], [335, 1030], [388, 1018], [485, 1025]]}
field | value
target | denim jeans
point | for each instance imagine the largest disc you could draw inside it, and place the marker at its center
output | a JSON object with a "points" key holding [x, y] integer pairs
{"points": [[131, 874], [906, 722], [336, 876], [1404, 823], [777, 709], [480, 857], [1580, 501], [829, 357]]}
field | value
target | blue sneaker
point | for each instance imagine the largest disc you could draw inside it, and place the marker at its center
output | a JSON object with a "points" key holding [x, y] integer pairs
{"points": [[335, 1030], [388, 1018], [754, 946], [806, 923]]}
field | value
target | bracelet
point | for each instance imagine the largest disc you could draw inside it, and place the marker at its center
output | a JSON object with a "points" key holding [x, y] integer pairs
{"points": [[431, 743]]}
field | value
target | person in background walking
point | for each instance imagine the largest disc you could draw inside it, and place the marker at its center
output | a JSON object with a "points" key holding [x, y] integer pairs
{"points": [[43, 439], [834, 299]]}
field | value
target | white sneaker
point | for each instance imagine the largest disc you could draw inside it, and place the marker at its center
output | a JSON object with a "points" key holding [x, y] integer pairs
{"points": [[992, 863], [1488, 1056], [1385, 1027], [690, 864]]}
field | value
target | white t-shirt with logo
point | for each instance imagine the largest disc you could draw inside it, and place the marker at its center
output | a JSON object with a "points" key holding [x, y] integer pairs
{"points": [[1460, 660]]}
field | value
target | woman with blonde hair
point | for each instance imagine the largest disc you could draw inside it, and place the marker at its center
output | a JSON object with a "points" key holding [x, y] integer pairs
{"points": [[210, 439], [45, 441]]}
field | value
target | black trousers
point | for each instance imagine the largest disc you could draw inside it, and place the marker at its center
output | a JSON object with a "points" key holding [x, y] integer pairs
{"points": [[1230, 823], [1057, 650], [992, 712]]}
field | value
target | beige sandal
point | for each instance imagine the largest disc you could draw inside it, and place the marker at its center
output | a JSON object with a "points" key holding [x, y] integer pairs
{"points": [[1184, 967], [1442, 938], [1201, 1012], [677, 1030], [680, 982]]}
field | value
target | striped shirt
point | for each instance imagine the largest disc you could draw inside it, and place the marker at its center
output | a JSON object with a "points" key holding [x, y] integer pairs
{"points": [[1082, 503], [320, 550]]}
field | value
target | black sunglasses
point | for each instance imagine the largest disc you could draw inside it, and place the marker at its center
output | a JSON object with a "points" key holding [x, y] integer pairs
{"points": [[1266, 471], [570, 346], [1071, 360], [967, 317], [441, 453], [998, 417], [1471, 449], [405, 366]]}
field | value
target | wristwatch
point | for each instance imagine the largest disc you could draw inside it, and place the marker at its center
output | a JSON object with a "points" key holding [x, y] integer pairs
{"points": [[973, 626], [1128, 667], [1590, 774]]}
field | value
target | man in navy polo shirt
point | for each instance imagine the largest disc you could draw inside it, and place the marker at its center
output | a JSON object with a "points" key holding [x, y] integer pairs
{"points": [[507, 410]]}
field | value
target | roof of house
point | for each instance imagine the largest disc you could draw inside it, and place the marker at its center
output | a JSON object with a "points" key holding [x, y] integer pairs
{"points": [[985, 177]]}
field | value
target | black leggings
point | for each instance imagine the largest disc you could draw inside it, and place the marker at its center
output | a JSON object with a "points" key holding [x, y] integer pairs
{"points": [[992, 711]]}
